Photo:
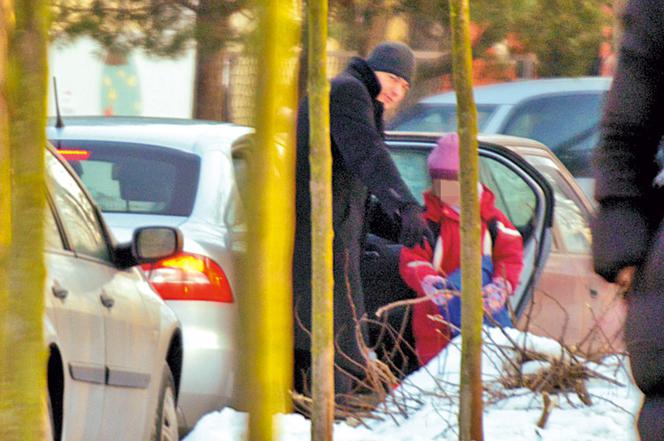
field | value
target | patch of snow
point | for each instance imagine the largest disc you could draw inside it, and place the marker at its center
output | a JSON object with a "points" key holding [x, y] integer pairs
{"points": [[431, 397], [534, 367]]}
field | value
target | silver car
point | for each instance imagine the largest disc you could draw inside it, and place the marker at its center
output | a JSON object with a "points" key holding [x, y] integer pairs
{"points": [[114, 347], [562, 113], [145, 171]]}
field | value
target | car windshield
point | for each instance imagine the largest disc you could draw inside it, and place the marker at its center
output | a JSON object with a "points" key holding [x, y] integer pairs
{"points": [[437, 118], [135, 178]]}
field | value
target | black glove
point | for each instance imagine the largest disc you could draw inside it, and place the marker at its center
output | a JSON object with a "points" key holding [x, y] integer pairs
{"points": [[414, 229], [621, 237]]}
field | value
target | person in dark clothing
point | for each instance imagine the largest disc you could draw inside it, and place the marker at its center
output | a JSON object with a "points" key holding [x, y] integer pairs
{"points": [[628, 235], [361, 166]]}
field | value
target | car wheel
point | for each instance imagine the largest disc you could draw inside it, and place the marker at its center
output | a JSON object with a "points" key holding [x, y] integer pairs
{"points": [[166, 418]]}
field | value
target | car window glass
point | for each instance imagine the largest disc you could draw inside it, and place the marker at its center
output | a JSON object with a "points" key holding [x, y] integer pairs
{"points": [[568, 215], [436, 118], [135, 178], [567, 124], [514, 197], [77, 213], [412, 165], [53, 238]]}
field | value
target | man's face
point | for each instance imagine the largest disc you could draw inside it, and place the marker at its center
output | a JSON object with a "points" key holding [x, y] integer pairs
{"points": [[393, 89]]}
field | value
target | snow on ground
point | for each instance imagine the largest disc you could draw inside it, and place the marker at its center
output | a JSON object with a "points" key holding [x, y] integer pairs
{"points": [[431, 395]]}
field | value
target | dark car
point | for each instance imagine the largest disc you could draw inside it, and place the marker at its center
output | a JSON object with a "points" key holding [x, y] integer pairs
{"points": [[562, 113]]}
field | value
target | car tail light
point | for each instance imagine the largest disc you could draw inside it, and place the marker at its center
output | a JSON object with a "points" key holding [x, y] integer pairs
{"points": [[189, 276], [75, 154]]}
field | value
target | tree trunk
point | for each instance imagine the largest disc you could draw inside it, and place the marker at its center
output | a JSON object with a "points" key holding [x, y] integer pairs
{"points": [[266, 306], [23, 370], [377, 28], [322, 278], [5, 191], [470, 405], [210, 34]]}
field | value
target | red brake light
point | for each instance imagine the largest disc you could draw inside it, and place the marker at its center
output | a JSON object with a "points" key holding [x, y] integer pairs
{"points": [[75, 154], [189, 276]]}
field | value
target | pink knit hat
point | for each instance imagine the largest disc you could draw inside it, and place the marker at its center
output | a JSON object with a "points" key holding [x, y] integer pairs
{"points": [[443, 161]]}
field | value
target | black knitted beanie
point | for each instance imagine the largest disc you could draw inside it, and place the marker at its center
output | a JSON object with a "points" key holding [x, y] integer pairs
{"points": [[393, 57]]}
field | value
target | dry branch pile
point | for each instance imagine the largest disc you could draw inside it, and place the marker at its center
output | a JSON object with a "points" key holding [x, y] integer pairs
{"points": [[559, 373]]}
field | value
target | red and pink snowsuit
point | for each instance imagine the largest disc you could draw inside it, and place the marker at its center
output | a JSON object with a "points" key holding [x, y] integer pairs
{"points": [[417, 262]]}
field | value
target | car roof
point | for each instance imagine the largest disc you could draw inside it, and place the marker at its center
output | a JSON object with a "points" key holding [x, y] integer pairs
{"points": [[516, 91], [189, 135], [519, 145], [507, 141]]}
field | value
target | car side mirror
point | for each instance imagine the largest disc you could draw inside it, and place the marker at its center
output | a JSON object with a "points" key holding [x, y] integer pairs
{"points": [[151, 244]]}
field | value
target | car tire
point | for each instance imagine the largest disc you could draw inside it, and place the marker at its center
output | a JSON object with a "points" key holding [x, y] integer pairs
{"points": [[166, 418]]}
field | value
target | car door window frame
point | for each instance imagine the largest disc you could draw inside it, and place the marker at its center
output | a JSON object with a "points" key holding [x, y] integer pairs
{"points": [[544, 215], [536, 182], [64, 240], [534, 186], [491, 168], [490, 152], [565, 189], [97, 216]]}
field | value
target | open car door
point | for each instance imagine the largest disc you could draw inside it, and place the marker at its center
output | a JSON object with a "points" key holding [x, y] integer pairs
{"points": [[522, 193]]}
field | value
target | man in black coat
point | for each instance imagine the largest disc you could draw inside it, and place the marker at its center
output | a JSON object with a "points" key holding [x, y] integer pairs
{"points": [[361, 166], [628, 238]]}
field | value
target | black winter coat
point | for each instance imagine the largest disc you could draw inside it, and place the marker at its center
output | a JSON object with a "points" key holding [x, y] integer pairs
{"points": [[628, 227], [361, 166]]}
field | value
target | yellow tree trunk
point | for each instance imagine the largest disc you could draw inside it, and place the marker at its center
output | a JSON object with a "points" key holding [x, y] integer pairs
{"points": [[322, 278], [266, 304], [470, 406], [23, 381], [6, 18]]}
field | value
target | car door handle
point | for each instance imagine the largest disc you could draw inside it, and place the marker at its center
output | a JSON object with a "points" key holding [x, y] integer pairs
{"points": [[106, 300], [59, 291]]}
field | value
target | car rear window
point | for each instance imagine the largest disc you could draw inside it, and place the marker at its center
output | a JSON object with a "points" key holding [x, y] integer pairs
{"points": [[436, 118], [135, 178]]}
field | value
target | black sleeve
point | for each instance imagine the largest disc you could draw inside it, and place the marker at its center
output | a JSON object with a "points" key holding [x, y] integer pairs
{"points": [[631, 129], [380, 223], [633, 120], [362, 148]]}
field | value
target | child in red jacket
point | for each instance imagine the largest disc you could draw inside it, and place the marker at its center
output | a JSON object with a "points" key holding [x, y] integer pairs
{"points": [[434, 270]]}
